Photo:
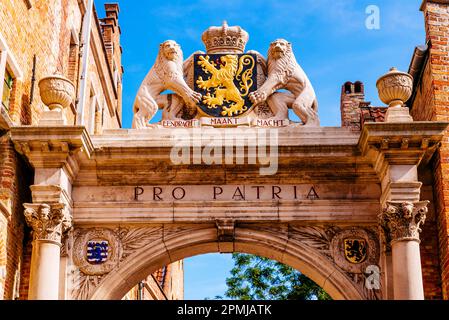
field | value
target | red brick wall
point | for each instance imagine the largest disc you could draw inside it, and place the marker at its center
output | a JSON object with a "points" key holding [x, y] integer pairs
{"points": [[429, 239], [423, 106], [423, 109], [14, 179], [50, 26], [432, 103], [42, 36], [26, 266]]}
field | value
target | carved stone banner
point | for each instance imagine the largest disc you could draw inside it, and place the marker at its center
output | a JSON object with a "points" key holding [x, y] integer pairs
{"points": [[225, 122], [194, 123], [270, 123]]}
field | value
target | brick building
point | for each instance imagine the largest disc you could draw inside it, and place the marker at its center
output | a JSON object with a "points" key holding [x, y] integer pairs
{"points": [[39, 39], [429, 67]]}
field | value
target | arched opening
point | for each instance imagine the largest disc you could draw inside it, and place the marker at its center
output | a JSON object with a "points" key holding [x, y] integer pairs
{"points": [[347, 88], [358, 87], [240, 276], [184, 243]]}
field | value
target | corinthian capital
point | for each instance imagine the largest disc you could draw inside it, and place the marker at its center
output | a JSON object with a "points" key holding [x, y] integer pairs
{"points": [[48, 221], [402, 220]]}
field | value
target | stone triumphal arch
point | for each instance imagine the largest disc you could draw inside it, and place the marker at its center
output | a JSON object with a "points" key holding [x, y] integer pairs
{"points": [[343, 207]]}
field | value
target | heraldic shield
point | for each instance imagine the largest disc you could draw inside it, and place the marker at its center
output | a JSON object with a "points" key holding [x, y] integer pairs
{"points": [[225, 81], [355, 250], [97, 251]]}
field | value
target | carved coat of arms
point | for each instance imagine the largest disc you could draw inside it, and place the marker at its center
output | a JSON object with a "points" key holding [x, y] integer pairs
{"points": [[97, 251], [225, 83], [355, 250]]}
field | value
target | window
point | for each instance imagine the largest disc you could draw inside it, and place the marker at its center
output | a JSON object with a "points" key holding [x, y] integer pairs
{"points": [[8, 82], [10, 73]]}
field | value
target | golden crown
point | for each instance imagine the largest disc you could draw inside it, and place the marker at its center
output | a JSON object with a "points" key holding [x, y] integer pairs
{"points": [[225, 39]]}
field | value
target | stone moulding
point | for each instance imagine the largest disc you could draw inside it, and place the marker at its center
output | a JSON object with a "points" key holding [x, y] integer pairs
{"points": [[53, 147], [28, 139], [387, 136]]}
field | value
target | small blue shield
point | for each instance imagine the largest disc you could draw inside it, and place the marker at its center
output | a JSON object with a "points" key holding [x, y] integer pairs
{"points": [[97, 252]]}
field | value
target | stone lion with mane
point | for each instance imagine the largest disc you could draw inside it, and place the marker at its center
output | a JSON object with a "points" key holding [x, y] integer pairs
{"points": [[285, 73], [166, 74]]}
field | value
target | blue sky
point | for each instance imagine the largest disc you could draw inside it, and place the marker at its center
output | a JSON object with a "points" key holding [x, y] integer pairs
{"points": [[330, 41]]}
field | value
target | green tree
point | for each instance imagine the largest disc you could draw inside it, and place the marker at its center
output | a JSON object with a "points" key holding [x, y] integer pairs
{"points": [[256, 278]]}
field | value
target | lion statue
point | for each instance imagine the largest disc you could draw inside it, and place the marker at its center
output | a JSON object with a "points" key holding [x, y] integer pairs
{"points": [[166, 74], [285, 73]]}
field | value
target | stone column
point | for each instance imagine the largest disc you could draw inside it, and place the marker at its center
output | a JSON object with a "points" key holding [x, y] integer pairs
{"points": [[49, 222], [401, 223]]}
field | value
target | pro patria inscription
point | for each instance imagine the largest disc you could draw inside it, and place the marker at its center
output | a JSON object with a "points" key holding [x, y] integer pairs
{"points": [[204, 193], [224, 193]]}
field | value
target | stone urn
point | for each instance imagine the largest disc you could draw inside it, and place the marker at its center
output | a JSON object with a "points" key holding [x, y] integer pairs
{"points": [[395, 88], [57, 92]]}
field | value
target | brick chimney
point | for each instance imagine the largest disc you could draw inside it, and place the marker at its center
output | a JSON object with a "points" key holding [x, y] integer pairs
{"points": [[352, 94], [111, 31]]}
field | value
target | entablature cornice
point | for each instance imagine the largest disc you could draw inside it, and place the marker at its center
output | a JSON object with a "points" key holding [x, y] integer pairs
{"points": [[292, 143], [304, 154], [400, 143], [53, 147], [312, 153]]}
